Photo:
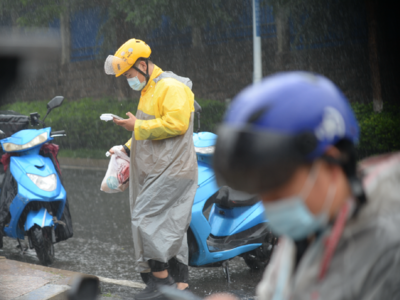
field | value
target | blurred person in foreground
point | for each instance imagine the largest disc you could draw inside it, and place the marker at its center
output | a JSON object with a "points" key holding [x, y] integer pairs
{"points": [[291, 139], [163, 169]]}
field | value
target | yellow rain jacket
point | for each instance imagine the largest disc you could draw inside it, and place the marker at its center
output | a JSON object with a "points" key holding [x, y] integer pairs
{"points": [[163, 174], [170, 102]]}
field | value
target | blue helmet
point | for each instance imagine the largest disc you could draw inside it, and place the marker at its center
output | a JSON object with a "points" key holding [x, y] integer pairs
{"points": [[288, 119]]}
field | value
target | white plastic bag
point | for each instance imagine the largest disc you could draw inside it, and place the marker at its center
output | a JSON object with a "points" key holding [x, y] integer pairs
{"points": [[117, 176]]}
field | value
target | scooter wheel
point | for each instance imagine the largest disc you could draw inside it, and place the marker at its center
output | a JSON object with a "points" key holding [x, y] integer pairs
{"points": [[41, 241], [255, 263], [259, 258]]}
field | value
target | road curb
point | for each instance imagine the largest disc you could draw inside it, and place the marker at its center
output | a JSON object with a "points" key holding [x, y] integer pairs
{"points": [[47, 292], [128, 283], [24, 281]]}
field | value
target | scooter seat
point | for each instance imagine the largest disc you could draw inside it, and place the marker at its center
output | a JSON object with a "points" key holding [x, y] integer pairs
{"points": [[228, 197]]}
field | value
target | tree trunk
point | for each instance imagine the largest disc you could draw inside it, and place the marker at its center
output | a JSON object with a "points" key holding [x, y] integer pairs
{"points": [[373, 56], [65, 37], [283, 37]]}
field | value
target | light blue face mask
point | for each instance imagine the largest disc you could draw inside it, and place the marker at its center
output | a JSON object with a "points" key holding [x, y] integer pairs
{"points": [[135, 83], [291, 216]]}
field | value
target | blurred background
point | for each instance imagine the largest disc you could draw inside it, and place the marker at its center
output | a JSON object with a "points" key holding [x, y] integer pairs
{"points": [[355, 43]]}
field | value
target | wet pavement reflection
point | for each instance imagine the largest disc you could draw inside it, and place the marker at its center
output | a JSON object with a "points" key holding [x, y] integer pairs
{"points": [[102, 243]]}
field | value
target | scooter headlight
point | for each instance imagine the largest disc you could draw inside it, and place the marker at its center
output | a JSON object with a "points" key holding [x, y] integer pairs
{"points": [[41, 138], [205, 150], [48, 183]]}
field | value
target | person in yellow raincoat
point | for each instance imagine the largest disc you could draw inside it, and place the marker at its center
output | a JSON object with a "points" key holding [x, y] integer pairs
{"points": [[163, 171]]}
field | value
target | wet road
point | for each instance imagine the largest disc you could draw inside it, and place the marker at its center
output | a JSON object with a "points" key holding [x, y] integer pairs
{"points": [[102, 243]]}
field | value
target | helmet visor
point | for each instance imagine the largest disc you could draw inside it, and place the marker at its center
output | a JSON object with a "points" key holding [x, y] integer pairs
{"points": [[116, 66], [256, 161]]}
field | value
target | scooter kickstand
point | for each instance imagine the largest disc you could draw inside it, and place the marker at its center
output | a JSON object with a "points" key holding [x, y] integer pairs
{"points": [[225, 265]]}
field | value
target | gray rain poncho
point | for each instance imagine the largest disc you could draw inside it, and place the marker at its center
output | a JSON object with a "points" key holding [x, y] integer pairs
{"points": [[163, 172]]}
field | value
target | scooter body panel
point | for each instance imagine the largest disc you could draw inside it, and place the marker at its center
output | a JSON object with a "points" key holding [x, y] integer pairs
{"points": [[201, 230], [229, 221], [21, 165], [204, 172], [206, 183], [23, 137], [41, 218], [16, 208], [23, 198]]}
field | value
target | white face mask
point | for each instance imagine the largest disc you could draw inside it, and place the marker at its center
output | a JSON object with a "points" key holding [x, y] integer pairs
{"points": [[291, 217], [135, 83]]}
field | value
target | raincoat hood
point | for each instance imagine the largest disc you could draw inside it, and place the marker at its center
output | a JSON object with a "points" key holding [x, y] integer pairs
{"points": [[156, 72]]}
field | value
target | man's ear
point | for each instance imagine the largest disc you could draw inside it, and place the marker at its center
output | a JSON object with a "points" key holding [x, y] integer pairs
{"points": [[334, 157], [144, 66]]}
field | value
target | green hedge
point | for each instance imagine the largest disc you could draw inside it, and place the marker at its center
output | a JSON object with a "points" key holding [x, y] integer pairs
{"points": [[85, 130], [379, 132]]}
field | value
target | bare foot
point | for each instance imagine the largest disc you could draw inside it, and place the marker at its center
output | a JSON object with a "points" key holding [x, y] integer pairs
{"points": [[181, 285]]}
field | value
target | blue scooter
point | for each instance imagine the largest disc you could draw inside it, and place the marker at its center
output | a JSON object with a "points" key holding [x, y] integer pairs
{"points": [[235, 226], [32, 190]]}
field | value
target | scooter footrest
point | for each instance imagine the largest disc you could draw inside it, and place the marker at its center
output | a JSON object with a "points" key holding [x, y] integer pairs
{"points": [[252, 235]]}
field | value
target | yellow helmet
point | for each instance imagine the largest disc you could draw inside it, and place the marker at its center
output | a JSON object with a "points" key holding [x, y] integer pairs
{"points": [[126, 56]]}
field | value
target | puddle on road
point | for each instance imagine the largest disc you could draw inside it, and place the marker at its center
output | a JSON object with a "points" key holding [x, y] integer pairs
{"points": [[102, 243]]}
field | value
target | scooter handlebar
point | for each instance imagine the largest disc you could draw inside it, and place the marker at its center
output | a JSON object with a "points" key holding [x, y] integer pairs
{"points": [[58, 133]]}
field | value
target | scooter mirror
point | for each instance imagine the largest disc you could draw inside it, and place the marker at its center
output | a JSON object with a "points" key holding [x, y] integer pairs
{"points": [[84, 288], [197, 107], [2, 135], [197, 110], [55, 102]]}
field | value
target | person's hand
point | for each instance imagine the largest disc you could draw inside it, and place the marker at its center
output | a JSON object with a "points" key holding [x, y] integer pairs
{"points": [[112, 151], [128, 124]]}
